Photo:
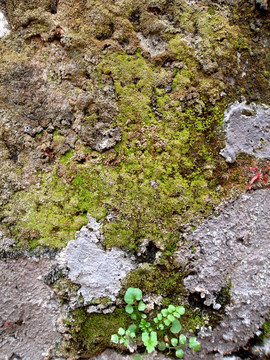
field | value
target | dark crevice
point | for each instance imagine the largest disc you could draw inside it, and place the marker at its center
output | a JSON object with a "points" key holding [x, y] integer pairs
{"points": [[54, 6], [135, 17], [149, 256]]}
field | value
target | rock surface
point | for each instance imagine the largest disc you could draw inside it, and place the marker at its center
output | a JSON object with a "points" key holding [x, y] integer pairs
{"points": [[232, 250], [112, 355], [247, 130], [98, 271], [28, 309], [112, 108]]}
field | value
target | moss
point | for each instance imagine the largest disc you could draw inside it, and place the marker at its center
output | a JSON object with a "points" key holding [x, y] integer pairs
{"points": [[158, 182], [159, 279], [66, 157], [266, 329], [91, 333]]}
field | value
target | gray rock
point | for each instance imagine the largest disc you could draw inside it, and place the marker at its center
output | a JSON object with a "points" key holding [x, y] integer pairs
{"points": [[105, 139], [113, 355], [98, 271], [153, 44], [247, 130], [262, 351], [233, 249], [28, 310]]}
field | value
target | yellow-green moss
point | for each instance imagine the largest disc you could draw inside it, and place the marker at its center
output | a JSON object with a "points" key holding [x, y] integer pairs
{"points": [[159, 181], [91, 333]]}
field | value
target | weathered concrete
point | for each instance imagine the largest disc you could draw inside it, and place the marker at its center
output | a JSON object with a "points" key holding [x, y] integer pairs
{"points": [[97, 271], [28, 310], [232, 250], [247, 130]]}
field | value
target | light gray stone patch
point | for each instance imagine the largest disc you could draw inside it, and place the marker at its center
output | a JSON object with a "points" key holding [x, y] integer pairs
{"points": [[247, 129], [232, 250], [28, 310], [105, 139], [4, 26], [98, 271], [153, 44]]}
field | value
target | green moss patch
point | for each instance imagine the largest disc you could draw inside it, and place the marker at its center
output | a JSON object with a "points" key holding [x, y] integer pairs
{"points": [[91, 333]]}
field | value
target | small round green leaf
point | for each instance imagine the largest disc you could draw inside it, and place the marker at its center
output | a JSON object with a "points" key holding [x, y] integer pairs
{"points": [[129, 309], [132, 327], [141, 306], [166, 322], [144, 316], [161, 326], [132, 294], [194, 344], [114, 338], [121, 331], [176, 314], [145, 337], [133, 316], [164, 312], [174, 341], [137, 357], [161, 346], [159, 316], [182, 339], [171, 308], [179, 353], [180, 310], [171, 318], [176, 327]]}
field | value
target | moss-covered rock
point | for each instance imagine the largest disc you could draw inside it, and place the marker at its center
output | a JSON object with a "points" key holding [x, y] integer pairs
{"points": [[78, 74]]}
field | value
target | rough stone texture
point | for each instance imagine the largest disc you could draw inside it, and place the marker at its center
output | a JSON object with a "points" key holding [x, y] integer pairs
{"points": [[28, 309], [153, 44], [262, 350], [233, 250], [99, 272], [112, 355], [247, 130], [77, 77]]}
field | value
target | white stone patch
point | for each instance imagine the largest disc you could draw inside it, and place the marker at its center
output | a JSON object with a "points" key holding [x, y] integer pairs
{"points": [[4, 27], [247, 130], [98, 271], [153, 44]]}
